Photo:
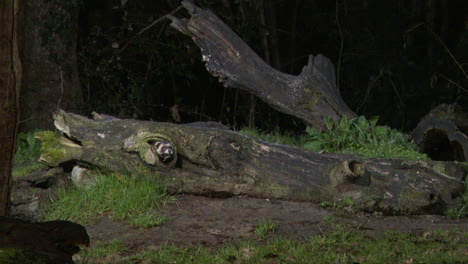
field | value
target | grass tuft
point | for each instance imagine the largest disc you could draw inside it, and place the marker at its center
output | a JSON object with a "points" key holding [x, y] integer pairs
{"points": [[147, 220], [265, 228], [362, 137], [357, 136], [119, 196]]}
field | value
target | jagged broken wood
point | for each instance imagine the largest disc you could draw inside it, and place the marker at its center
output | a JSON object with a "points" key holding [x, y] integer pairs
{"points": [[215, 161], [309, 96]]}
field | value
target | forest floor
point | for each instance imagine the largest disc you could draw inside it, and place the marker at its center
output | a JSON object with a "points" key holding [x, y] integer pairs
{"points": [[197, 220]]}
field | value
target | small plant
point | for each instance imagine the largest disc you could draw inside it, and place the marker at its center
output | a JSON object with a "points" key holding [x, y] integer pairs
{"points": [[265, 228], [462, 210], [362, 137], [28, 148], [347, 202], [147, 220], [122, 197]]}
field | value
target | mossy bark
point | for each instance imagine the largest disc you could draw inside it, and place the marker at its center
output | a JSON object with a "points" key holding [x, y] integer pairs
{"points": [[218, 162]]}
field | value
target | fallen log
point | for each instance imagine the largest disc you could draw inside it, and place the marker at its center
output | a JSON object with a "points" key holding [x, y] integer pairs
{"points": [[214, 161], [442, 133], [310, 96]]}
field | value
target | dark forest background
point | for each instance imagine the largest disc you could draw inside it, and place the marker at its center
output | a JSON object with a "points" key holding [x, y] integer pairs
{"points": [[394, 59]]}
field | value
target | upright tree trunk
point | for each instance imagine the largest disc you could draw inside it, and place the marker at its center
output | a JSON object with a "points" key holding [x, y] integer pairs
{"points": [[10, 82], [48, 32]]}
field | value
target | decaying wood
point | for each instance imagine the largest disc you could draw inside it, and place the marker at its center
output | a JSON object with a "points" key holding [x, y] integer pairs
{"points": [[310, 96], [442, 134], [211, 160]]}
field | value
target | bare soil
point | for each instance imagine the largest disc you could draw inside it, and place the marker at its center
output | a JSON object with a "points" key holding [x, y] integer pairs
{"points": [[197, 220]]}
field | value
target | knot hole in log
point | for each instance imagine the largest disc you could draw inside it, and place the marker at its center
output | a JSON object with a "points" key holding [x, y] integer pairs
{"points": [[154, 149], [349, 171]]}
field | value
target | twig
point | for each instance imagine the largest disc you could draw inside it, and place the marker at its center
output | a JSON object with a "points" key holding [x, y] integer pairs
{"points": [[443, 44], [149, 26], [158, 20], [450, 81]]}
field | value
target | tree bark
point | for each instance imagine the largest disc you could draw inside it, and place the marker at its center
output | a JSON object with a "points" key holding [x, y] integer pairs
{"points": [[48, 35], [310, 96], [211, 160], [10, 82]]}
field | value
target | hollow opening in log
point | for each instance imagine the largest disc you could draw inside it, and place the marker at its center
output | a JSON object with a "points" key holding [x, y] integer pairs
{"points": [[67, 166], [438, 147]]}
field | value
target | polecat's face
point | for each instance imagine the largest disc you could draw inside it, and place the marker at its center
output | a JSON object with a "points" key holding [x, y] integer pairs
{"points": [[164, 150]]}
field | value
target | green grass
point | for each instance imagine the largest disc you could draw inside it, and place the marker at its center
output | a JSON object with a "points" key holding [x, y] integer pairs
{"points": [[147, 220], [102, 249], [121, 197], [362, 137], [357, 136], [340, 246], [345, 203], [265, 228]]}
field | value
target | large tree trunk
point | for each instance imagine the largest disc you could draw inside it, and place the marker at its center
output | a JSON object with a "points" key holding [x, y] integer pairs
{"points": [[310, 96], [10, 82], [48, 32], [214, 161]]}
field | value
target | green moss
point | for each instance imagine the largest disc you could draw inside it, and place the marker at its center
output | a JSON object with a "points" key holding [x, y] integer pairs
{"points": [[56, 149], [311, 99], [24, 170], [409, 198]]}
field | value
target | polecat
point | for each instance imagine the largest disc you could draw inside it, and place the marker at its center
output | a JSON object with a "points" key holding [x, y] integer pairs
{"points": [[164, 149]]}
